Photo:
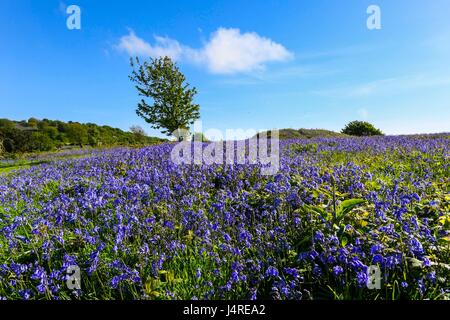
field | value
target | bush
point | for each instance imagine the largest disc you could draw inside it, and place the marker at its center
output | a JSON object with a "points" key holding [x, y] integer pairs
{"points": [[41, 142], [361, 128]]}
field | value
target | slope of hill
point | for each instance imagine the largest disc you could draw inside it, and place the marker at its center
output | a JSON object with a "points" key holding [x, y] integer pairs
{"points": [[308, 134], [46, 135]]}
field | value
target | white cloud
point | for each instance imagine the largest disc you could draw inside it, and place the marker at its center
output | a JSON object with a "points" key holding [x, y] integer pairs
{"points": [[363, 113], [136, 46], [228, 51]]}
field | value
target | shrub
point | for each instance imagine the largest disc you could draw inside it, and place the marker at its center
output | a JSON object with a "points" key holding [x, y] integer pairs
{"points": [[361, 128]]}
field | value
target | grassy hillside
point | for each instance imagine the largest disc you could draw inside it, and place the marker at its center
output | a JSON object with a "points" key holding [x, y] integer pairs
{"points": [[35, 135], [308, 134]]}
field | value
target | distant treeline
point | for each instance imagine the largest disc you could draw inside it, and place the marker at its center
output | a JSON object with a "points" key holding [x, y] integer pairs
{"points": [[46, 135]]}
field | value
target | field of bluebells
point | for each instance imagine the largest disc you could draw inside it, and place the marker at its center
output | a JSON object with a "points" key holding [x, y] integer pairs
{"points": [[141, 227]]}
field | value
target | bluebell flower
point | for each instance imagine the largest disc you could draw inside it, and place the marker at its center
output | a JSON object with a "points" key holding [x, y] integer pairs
{"points": [[331, 259], [317, 271], [253, 294], [362, 279], [26, 294], [18, 268], [226, 237], [292, 272], [376, 248], [272, 272], [318, 237], [431, 276], [337, 270], [421, 286], [41, 288], [169, 224], [377, 259], [416, 247]]}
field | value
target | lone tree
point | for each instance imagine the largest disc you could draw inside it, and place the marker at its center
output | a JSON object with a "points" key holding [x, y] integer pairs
{"points": [[137, 130], [173, 108], [361, 128], [139, 133]]}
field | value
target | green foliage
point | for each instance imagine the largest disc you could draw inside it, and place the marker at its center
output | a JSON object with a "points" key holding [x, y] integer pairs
{"points": [[361, 128], [41, 141], [173, 107], [46, 135], [304, 148], [32, 122], [7, 124], [77, 133], [139, 133], [345, 207], [2, 149]]}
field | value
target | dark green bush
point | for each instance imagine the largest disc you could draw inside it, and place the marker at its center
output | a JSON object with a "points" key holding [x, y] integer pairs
{"points": [[361, 128]]}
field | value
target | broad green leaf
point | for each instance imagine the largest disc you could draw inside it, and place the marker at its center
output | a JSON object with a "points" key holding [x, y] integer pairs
{"points": [[346, 206], [344, 241], [322, 212]]}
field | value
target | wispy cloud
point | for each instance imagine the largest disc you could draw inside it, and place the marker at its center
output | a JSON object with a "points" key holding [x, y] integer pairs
{"points": [[337, 52], [163, 46], [363, 113], [407, 126], [228, 51], [438, 43], [386, 86], [289, 73]]}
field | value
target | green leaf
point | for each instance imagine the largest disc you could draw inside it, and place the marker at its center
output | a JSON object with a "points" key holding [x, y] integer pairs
{"points": [[322, 212], [346, 206]]}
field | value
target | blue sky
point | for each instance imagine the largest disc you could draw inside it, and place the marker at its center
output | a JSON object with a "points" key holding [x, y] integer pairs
{"points": [[256, 64]]}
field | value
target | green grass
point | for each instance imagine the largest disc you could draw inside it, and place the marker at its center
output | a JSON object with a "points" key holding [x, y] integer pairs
{"points": [[19, 165], [9, 169]]}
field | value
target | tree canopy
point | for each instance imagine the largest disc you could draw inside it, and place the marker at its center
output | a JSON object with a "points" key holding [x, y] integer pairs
{"points": [[172, 105]]}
